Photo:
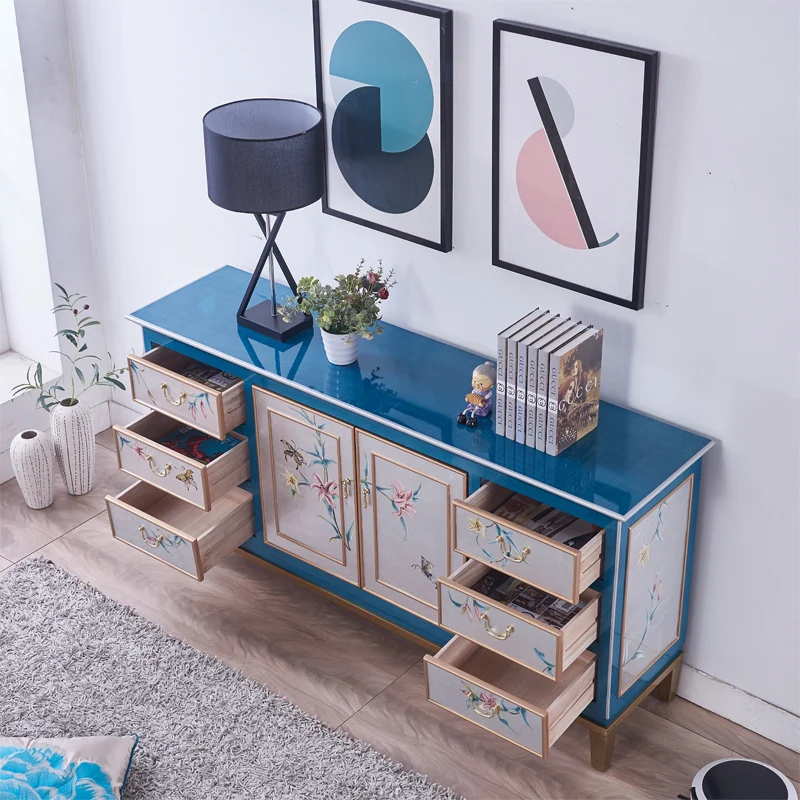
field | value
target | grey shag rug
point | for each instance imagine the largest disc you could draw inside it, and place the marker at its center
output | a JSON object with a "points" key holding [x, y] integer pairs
{"points": [[75, 663]]}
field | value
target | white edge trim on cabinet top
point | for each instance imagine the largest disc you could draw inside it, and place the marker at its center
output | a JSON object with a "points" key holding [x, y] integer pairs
{"points": [[402, 429], [675, 475]]}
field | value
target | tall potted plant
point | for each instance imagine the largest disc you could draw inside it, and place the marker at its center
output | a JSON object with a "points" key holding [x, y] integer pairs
{"points": [[70, 419], [346, 312]]}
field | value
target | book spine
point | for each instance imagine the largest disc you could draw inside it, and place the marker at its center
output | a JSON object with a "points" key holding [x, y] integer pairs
{"points": [[530, 398], [541, 399], [500, 388], [522, 377], [511, 387], [552, 406]]}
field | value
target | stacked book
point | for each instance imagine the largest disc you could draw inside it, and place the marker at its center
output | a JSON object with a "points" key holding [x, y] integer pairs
{"points": [[548, 380]]}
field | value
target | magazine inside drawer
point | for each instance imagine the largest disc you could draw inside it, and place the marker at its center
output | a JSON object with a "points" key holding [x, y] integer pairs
{"points": [[185, 462]]}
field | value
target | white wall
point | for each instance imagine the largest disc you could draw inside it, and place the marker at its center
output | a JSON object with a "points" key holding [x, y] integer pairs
{"points": [[715, 347], [24, 270]]}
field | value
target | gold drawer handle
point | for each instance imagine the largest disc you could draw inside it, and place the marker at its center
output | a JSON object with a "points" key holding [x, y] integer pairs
{"points": [[161, 473], [179, 401], [153, 544], [492, 632], [346, 483], [506, 551], [365, 496], [473, 704]]}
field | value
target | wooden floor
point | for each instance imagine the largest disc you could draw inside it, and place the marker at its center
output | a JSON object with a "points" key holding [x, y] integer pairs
{"points": [[357, 676]]}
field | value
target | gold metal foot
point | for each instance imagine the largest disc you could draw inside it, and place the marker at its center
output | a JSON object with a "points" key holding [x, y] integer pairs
{"points": [[601, 746], [668, 686]]}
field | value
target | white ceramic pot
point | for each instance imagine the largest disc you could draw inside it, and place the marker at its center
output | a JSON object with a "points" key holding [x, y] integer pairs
{"points": [[73, 437], [34, 463], [341, 348]]}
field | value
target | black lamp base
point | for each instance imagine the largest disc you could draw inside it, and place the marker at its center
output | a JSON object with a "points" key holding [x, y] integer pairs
{"points": [[259, 318]]}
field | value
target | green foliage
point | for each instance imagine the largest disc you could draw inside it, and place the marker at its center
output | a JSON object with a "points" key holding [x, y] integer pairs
{"points": [[74, 335], [351, 306]]}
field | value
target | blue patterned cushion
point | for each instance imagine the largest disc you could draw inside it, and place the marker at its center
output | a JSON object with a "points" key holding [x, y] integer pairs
{"points": [[91, 768]]}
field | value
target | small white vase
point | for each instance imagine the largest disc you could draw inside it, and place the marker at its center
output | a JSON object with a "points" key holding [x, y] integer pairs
{"points": [[341, 348], [34, 463], [73, 437]]}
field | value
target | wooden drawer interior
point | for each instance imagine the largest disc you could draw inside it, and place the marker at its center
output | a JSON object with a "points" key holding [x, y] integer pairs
{"points": [[553, 705], [212, 534]]}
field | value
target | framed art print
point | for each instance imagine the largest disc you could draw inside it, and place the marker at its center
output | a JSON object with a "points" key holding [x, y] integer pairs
{"points": [[384, 86], [572, 152]]}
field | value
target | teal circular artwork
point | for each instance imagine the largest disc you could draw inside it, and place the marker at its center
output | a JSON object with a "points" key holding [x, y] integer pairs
{"points": [[384, 106]]}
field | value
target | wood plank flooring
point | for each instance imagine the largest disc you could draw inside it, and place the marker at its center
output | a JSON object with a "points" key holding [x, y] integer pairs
{"points": [[357, 676]]}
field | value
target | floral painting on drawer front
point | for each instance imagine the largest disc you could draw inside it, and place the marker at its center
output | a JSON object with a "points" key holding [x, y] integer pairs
{"points": [[654, 587], [198, 404]]}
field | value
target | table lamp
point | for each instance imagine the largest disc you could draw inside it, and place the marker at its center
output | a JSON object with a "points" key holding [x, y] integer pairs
{"points": [[265, 156]]}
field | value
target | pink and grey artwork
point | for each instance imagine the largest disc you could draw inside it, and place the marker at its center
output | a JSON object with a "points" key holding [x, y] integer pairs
{"points": [[573, 122]]}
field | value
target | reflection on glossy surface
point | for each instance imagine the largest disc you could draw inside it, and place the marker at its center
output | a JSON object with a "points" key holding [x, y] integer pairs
{"points": [[418, 383]]}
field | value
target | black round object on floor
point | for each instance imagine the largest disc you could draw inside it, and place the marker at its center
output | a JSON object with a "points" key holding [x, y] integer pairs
{"points": [[741, 779]]}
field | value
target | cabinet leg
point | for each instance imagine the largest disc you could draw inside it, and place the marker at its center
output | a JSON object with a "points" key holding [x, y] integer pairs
{"points": [[668, 687], [601, 745]]}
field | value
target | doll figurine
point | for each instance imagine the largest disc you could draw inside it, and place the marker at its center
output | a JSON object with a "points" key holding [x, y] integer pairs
{"points": [[480, 399]]}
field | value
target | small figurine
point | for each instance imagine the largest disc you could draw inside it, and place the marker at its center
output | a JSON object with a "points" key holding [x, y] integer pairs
{"points": [[480, 400]]}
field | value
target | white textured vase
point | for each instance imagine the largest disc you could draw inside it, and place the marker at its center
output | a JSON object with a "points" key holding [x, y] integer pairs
{"points": [[73, 437], [34, 463], [341, 348]]}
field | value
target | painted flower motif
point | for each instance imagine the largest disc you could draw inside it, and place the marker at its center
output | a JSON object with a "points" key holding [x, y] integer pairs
{"points": [[292, 482], [403, 500], [46, 774], [326, 492], [139, 450], [476, 525], [643, 555], [487, 700]]}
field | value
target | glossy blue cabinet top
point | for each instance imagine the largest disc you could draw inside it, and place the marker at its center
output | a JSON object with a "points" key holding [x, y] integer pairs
{"points": [[419, 384]]}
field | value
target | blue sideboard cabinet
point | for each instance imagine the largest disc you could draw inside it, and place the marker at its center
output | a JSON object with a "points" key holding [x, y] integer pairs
{"points": [[358, 481]]}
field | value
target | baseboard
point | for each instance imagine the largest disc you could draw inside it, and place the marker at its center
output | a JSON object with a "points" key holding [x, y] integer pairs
{"points": [[741, 707], [122, 415]]}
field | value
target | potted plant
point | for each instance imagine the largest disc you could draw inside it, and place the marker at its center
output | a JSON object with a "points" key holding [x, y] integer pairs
{"points": [[71, 420], [346, 312]]}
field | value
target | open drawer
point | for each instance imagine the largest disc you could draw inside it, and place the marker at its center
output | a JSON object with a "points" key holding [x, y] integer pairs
{"points": [[185, 537], [158, 382], [506, 699], [545, 648], [519, 551], [140, 454]]}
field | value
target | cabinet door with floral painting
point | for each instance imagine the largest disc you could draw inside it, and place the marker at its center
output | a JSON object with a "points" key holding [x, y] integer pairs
{"points": [[307, 471], [405, 503]]}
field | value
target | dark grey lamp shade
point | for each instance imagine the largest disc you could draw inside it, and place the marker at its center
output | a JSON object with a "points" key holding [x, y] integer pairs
{"points": [[264, 156]]}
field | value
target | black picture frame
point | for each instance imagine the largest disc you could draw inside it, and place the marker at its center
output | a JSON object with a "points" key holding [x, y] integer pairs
{"points": [[445, 17], [650, 84]]}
